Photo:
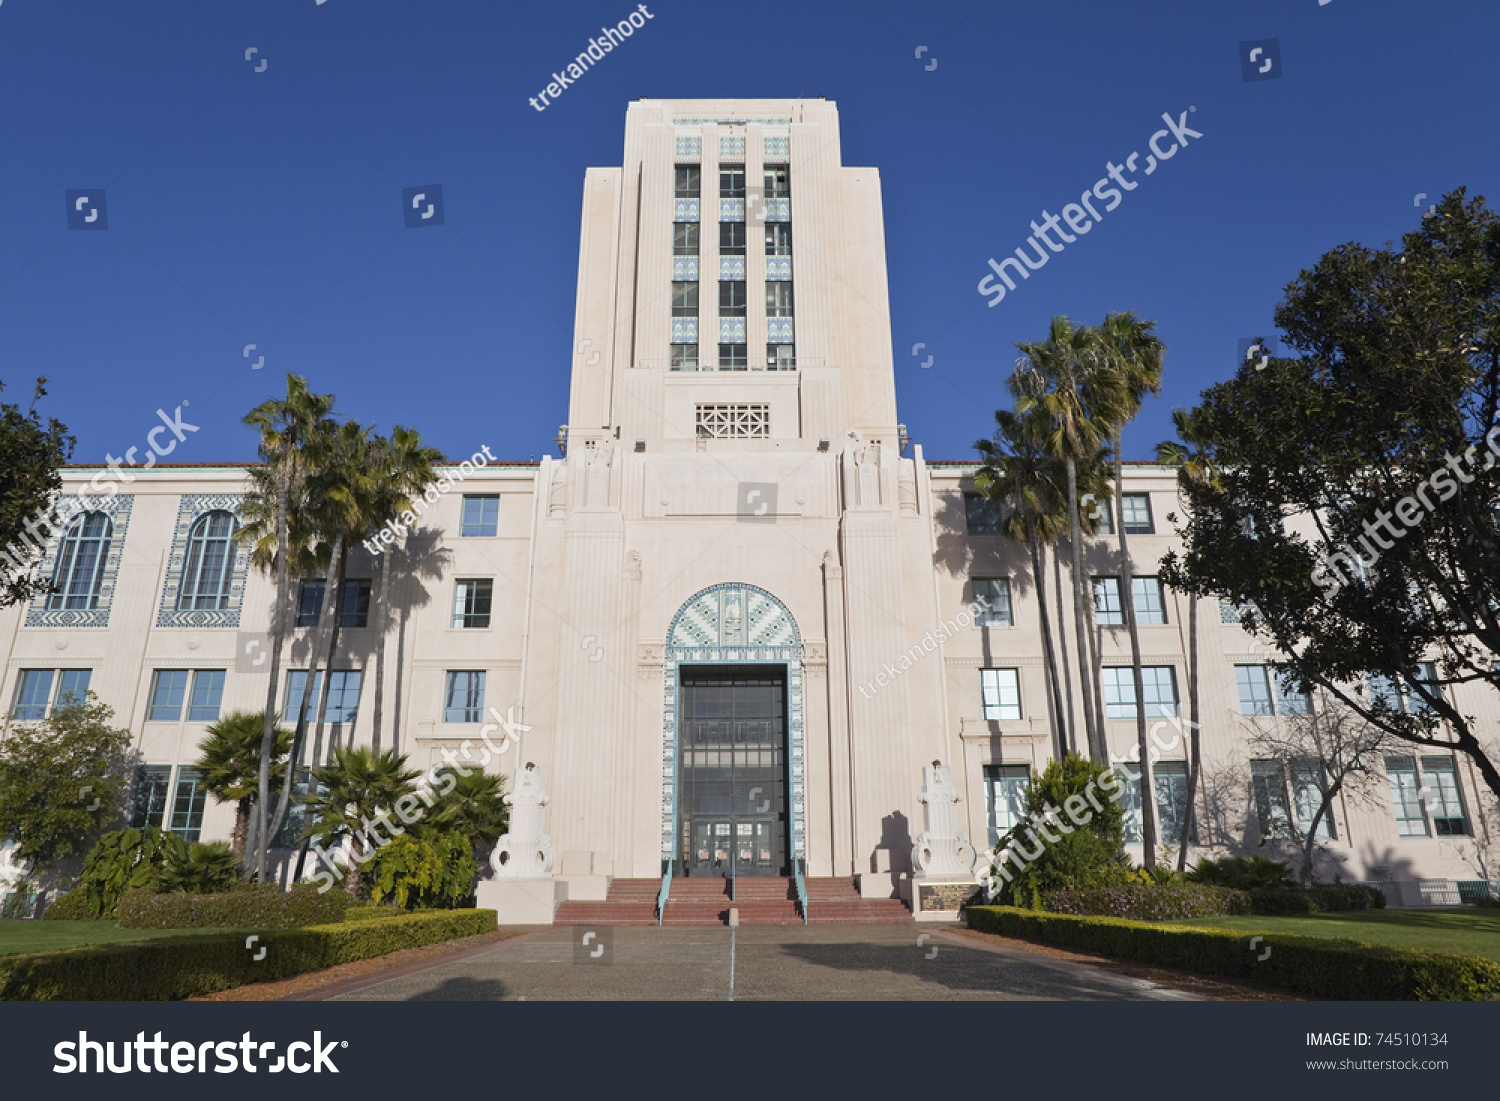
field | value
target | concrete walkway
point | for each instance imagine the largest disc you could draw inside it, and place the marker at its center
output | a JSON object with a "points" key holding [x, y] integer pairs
{"points": [[798, 963]]}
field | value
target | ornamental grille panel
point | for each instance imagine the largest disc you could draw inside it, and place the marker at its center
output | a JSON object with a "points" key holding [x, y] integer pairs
{"points": [[685, 210], [684, 330], [730, 422], [730, 210], [775, 147], [778, 268], [778, 210], [685, 269], [690, 147], [731, 330], [731, 147], [779, 330], [731, 267]]}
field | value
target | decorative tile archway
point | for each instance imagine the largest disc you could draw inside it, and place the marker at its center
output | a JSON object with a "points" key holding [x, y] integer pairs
{"points": [[733, 624]]}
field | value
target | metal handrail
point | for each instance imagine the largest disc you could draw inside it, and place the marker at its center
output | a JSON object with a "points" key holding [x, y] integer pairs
{"points": [[666, 890], [801, 886]]}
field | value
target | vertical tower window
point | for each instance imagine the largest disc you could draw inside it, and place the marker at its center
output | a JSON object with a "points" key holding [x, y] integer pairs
{"points": [[80, 563], [208, 565]]}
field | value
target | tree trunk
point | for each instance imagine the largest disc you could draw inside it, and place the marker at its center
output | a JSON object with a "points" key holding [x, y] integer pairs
{"points": [[241, 828], [1075, 538], [382, 601], [1127, 603], [1310, 845], [1062, 644], [278, 637], [396, 702], [1096, 668], [352, 872], [299, 736], [1049, 659], [1194, 770]]}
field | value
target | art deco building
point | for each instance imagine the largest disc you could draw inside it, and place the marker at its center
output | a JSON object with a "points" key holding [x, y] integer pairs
{"points": [[719, 615]]}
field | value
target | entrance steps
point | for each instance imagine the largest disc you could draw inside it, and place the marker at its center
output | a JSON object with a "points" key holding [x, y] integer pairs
{"points": [[768, 900]]}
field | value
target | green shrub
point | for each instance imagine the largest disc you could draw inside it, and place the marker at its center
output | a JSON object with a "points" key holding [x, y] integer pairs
{"points": [[1148, 901], [184, 967], [246, 906], [431, 868], [1092, 855], [203, 867], [1245, 873], [1317, 899], [76, 905], [1306, 965], [121, 861], [373, 913]]}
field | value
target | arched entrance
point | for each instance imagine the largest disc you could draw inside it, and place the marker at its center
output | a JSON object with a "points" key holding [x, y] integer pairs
{"points": [[733, 798]]}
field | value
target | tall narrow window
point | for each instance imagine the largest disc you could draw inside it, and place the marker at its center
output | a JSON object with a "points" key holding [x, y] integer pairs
{"points": [[779, 299], [79, 573], [153, 783], [1255, 689], [188, 802], [778, 182], [481, 516], [209, 564], [1268, 784], [982, 516], [1290, 698], [1426, 675], [1307, 795], [208, 691], [684, 238], [1000, 691], [1108, 611], [471, 602], [731, 298], [72, 687], [1171, 779], [33, 690], [778, 238], [1004, 798], [1135, 512], [1406, 796], [464, 700], [684, 299], [343, 695], [168, 690], [732, 182], [992, 602], [296, 687], [1384, 692], [688, 181], [731, 238], [1443, 797], [1150, 608]]}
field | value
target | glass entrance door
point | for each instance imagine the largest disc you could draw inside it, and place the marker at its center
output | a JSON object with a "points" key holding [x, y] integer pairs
{"points": [[732, 770]]}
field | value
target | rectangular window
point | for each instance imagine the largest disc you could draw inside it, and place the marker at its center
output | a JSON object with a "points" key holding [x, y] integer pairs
{"points": [[982, 515], [296, 685], [685, 239], [731, 183], [152, 785], [684, 357], [1000, 690], [343, 695], [687, 181], [208, 690], [781, 357], [464, 700], [778, 238], [309, 603], [1171, 779], [187, 804], [1290, 699], [724, 422], [168, 690], [731, 238], [481, 515], [1255, 689], [1444, 801], [1426, 673], [33, 690], [471, 602], [1307, 795], [72, 686], [1150, 607], [731, 298], [778, 183], [1103, 518], [684, 299], [1160, 685], [734, 357], [356, 603], [1108, 611], [1406, 796], [1268, 783], [992, 602], [1004, 798], [1135, 511], [779, 299], [1384, 691]]}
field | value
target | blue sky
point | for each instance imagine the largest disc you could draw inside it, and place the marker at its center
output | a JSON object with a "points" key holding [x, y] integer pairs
{"points": [[264, 207]]}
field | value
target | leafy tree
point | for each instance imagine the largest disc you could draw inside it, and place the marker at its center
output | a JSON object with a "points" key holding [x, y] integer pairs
{"points": [[120, 861], [285, 427], [1355, 517], [357, 789], [30, 454], [229, 766], [1091, 855], [475, 806], [62, 780]]}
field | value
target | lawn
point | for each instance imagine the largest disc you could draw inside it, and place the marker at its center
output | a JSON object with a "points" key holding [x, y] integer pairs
{"points": [[49, 936], [1472, 932]]}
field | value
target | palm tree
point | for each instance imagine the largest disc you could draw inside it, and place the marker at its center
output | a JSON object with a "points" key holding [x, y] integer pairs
{"points": [[229, 767], [201, 868], [1060, 379], [286, 426], [1018, 470], [475, 807], [402, 467], [1130, 355], [1194, 460], [351, 791]]}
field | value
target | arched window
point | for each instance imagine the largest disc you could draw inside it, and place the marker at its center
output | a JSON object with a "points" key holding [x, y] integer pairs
{"points": [[210, 563], [80, 563]]}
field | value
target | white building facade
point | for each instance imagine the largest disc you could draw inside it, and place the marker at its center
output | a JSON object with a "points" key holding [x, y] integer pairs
{"points": [[719, 616]]}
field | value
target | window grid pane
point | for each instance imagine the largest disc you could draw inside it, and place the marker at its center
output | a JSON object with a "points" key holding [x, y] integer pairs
{"points": [[1406, 796], [208, 690], [1108, 611], [1004, 798], [1150, 608], [1268, 782], [481, 516], [33, 690], [992, 597], [1135, 511], [464, 700], [187, 805], [1000, 690], [1443, 797], [1255, 689], [72, 686], [152, 785], [982, 515], [472, 600], [167, 694]]}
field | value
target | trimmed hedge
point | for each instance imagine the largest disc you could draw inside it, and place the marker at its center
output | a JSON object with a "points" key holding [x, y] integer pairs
{"points": [[262, 906], [184, 967], [1336, 969], [1149, 901], [76, 905], [1318, 899]]}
